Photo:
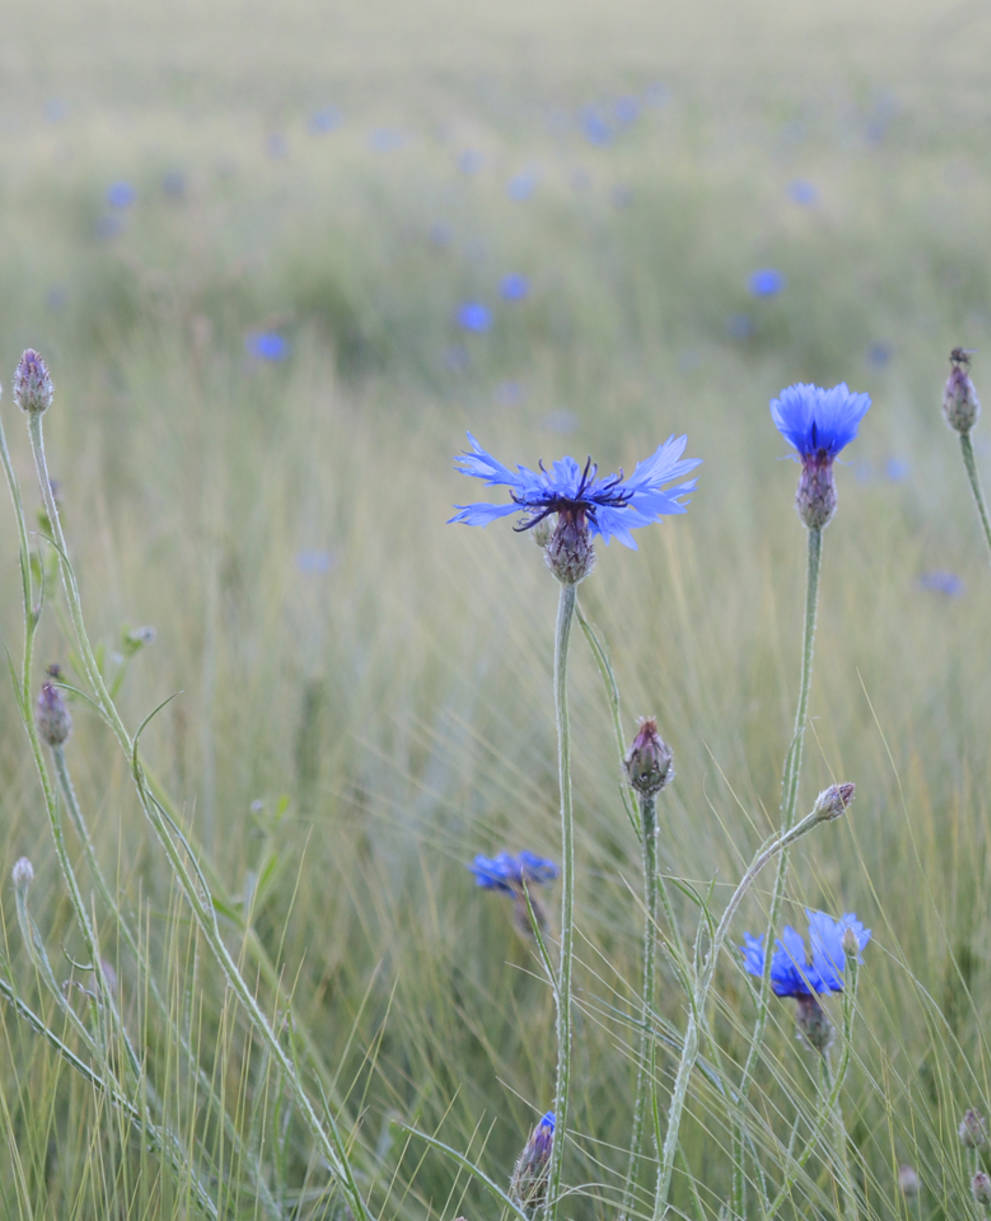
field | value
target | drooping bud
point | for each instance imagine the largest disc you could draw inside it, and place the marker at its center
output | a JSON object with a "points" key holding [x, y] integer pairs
{"points": [[33, 388], [52, 715], [908, 1181], [980, 1186], [960, 403], [528, 1185], [649, 762], [973, 1130], [815, 499], [22, 873], [570, 554], [832, 802], [813, 1023]]}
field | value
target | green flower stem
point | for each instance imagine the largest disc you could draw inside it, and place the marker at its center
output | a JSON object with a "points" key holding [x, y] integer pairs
{"points": [[565, 616], [645, 1058], [789, 805], [971, 467], [184, 862], [690, 1045]]}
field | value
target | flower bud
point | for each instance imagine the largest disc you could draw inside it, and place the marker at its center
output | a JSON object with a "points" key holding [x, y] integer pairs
{"points": [[33, 389], [22, 873], [908, 1182], [52, 715], [813, 1022], [960, 403], [832, 802], [980, 1186], [850, 944], [649, 762], [815, 499], [973, 1130], [570, 554], [528, 1185], [541, 533]]}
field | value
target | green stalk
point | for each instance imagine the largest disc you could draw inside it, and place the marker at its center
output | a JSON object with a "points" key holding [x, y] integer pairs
{"points": [[975, 484], [565, 616]]}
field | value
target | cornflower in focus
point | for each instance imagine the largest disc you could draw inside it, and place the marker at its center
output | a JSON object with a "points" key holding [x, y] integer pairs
{"points": [[805, 974], [514, 875], [818, 423], [584, 504]]}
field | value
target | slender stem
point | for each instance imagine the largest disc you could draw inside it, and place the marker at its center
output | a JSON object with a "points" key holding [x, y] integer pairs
{"points": [[789, 805], [971, 467], [648, 843], [565, 616]]}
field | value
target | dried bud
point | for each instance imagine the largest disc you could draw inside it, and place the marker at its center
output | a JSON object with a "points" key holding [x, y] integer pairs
{"points": [[813, 1023], [528, 1185], [649, 762], [22, 873], [908, 1182], [33, 389], [52, 715], [815, 499], [973, 1130], [832, 802], [960, 403], [570, 554], [980, 1186]]}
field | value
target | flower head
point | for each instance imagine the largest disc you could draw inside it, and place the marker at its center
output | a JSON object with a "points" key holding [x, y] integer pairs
{"points": [[796, 972], [961, 406], [528, 1185], [818, 423], [508, 873], [610, 507], [648, 762], [33, 388]]}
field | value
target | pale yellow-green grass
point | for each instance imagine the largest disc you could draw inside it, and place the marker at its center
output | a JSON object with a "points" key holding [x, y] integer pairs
{"points": [[344, 741]]}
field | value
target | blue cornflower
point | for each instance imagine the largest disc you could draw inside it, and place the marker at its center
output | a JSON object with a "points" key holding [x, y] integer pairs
{"points": [[267, 345], [514, 287], [796, 972], [508, 873], [818, 423], [767, 282], [609, 507], [121, 195], [474, 316]]}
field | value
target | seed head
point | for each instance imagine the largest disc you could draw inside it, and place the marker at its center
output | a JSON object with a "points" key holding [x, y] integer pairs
{"points": [[52, 715], [33, 388], [649, 762], [22, 873], [961, 406]]}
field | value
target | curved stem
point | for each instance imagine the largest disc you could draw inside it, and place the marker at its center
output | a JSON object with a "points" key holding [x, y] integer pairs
{"points": [[562, 635], [971, 467]]}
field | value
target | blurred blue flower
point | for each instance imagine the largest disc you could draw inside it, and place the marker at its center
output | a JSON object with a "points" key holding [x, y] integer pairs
{"points": [[314, 561], [508, 873], [469, 161], [509, 393], [897, 470], [627, 109], [801, 191], [796, 972], [941, 581], [325, 119], [386, 139], [879, 355], [767, 282], [818, 422], [514, 287], [612, 506], [595, 127], [739, 326], [267, 345], [474, 316], [174, 184], [521, 186], [121, 195]]}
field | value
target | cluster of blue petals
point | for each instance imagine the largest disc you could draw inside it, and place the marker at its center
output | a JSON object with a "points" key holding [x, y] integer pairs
{"points": [[797, 972], [613, 505], [507, 872], [818, 422]]}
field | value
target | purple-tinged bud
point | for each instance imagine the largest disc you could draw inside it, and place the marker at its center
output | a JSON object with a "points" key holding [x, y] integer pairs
{"points": [[815, 499], [649, 762], [570, 554], [33, 389], [813, 1023], [22, 873], [832, 802], [52, 716], [980, 1187], [528, 1185], [908, 1182], [960, 403], [973, 1130]]}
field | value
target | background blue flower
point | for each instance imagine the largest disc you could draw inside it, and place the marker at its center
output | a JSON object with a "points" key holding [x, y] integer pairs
{"points": [[508, 873], [798, 972], [766, 282]]}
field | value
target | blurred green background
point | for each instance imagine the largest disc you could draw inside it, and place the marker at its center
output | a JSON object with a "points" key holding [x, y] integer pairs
{"points": [[245, 237]]}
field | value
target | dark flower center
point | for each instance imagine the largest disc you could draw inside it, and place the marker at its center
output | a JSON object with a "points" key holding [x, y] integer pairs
{"points": [[581, 502]]}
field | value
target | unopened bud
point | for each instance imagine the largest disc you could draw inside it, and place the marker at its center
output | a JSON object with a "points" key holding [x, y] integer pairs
{"points": [[33, 389], [908, 1182], [528, 1185], [569, 554], [832, 802], [541, 533], [813, 1023], [850, 944], [22, 873], [960, 403], [980, 1186], [649, 762], [52, 715], [973, 1130]]}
